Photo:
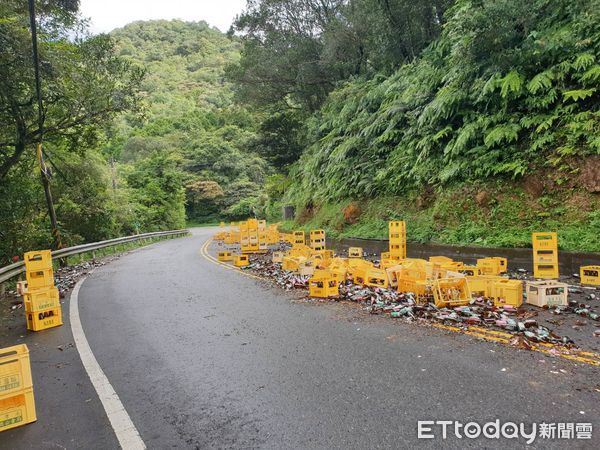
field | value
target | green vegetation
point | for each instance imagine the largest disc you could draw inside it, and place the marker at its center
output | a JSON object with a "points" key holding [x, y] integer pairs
{"points": [[84, 86], [192, 146], [505, 216], [476, 120], [141, 129], [503, 93]]}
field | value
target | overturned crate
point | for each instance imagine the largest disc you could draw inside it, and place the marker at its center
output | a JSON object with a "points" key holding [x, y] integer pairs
{"points": [[418, 287], [292, 263], [392, 274], [492, 266], [241, 260], [277, 257], [357, 269], [376, 277], [300, 250], [339, 268], [471, 271], [225, 256]]}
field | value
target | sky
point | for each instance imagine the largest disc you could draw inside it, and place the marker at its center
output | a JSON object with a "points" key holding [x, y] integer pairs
{"points": [[107, 15]]}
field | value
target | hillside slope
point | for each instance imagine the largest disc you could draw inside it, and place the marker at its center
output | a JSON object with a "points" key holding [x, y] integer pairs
{"points": [[492, 133], [191, 126]]}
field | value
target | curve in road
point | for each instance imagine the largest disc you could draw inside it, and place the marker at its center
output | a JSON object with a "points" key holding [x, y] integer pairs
{"points": [[201, 356]]}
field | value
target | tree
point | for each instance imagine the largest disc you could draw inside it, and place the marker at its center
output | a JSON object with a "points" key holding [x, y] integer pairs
{"points": [[279, 138], [202, 199], [156, 188], [84, 83], [296, 51]]}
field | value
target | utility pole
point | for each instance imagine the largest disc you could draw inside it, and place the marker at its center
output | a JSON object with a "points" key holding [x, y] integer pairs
{"points": [[44, 171]]}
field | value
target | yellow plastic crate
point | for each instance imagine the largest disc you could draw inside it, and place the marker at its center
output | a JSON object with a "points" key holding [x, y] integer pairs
{"points": [[40, 279], [397, 250], [38, 260], [545, 240], [417, 287], [546, 271], [397, 231], [590, 275], [241, 260], [492, 266], [325, 254], [317, 239], [482, 284], [219, 236], [293, 263], [15, 370], [300, 250], [323, 285], [355, 252], [41, 299], [298, 238], [358, 269], [17, 410], [545, 255], [277, 257], [392, 274], [224, 256], [42, 320], [471, 271], [449, 292], [376, 278], [507, 292], [387, 262]]}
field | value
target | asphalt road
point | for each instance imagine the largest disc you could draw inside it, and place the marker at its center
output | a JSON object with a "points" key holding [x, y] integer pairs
{"points": [[205, 357]]}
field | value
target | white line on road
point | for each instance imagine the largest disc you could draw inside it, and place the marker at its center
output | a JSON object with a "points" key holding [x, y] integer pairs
{"points": [[126, 432]]}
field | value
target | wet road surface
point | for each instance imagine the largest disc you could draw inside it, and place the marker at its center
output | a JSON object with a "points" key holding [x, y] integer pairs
{"points": [[205, 357]]}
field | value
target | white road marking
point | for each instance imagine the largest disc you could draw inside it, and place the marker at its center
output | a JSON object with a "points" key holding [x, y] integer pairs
{"points": [[125, 430]]}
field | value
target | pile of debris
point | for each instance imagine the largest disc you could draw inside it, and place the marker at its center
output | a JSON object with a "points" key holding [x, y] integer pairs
{"points": [[481, 311], [263, 266], [66, 278]]}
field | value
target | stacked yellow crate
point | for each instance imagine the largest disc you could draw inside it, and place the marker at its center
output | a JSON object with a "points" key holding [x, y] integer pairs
{"points": [[545, 255], [397, 236], [298, 238], [317, 239], [17, 406], [42, 303]]}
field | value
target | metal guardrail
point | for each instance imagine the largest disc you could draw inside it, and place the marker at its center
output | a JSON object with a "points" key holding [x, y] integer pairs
{"points": [[8, 272]]}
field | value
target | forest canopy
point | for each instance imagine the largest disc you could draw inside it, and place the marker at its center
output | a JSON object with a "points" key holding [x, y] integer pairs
{"points": [[302, 102]]}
